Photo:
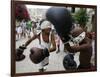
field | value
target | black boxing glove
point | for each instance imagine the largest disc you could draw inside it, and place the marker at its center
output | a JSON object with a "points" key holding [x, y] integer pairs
{"points": [[37, 55], [68, 62], [71, 56], [22, 47], [46, 52], [19, 53]]}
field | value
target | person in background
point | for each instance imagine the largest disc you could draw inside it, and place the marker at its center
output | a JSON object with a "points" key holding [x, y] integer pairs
{"points": [[23, 25], [29, 27], [19, 32]]}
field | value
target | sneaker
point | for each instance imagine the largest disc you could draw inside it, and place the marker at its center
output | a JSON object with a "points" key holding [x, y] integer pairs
{"points": [[42, 69]]}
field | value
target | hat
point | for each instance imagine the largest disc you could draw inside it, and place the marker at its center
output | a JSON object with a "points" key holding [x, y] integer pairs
{"points": [[45, 24]]}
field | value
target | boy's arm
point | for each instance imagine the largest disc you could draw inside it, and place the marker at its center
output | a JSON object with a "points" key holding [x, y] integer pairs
{"points": [[77, 48], [86, 45], [29, 41]]}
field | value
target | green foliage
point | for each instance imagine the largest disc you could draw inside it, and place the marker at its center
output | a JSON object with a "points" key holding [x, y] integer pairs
{"points": [[81, 17]]}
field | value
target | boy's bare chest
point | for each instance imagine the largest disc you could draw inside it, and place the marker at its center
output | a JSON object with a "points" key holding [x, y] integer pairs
{"points": [[46, 38]]}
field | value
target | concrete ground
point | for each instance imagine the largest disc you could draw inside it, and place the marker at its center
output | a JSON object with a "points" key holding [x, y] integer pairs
{"points": [[55, 60]]}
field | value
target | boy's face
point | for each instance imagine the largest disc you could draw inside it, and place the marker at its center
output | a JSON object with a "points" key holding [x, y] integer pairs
{"points": [[47, 30], [76, 32]]}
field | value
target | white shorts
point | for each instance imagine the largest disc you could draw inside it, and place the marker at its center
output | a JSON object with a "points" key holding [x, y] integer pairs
{"points": [[43, 63]]}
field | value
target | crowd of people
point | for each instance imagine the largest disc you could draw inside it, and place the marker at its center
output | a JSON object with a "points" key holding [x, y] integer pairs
{"points": [[24, 29]]}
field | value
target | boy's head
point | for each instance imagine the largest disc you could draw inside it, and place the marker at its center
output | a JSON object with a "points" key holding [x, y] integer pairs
{"points": [[46, 26], [76, 32]]}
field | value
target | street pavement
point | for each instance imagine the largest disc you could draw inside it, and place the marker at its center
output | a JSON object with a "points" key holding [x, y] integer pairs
{"points": [[55, 59]]}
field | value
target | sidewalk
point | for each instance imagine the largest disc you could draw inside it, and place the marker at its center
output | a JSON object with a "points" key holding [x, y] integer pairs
{"points": [[55, 60]]}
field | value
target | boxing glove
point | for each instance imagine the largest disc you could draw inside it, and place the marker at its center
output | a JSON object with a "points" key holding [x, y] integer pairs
{"points": [[19, 53], [68, 62], [37, 54], [46, 52], [22, 47]]}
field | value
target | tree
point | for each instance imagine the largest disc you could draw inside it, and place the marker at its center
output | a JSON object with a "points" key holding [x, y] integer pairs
{"points": [[21, 12], [81, 17]]}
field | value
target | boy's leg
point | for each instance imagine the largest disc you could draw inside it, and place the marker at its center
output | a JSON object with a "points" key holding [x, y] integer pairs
{"points": [[58, 49], [43, 65]]}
